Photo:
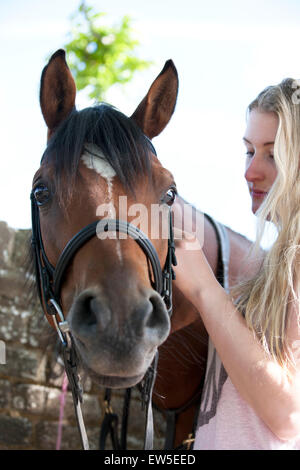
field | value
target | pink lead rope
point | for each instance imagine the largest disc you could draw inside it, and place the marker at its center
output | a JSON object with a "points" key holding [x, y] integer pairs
{"points": [[61, 410]]}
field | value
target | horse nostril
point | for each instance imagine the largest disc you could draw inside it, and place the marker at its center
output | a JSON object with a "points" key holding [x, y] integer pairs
{"points": [[97, 313], [88, 313], [157, 318], [90, 306], [151, 317]]}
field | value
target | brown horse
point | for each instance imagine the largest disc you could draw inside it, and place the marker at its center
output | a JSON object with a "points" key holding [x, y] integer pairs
{"points": [[97, 159]]}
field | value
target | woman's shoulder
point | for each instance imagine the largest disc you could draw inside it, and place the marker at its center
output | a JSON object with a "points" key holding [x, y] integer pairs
{"points": [[243, 264]]}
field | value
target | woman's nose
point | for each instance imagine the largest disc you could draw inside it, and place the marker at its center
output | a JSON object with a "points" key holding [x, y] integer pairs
{"points": [[255, 170]]}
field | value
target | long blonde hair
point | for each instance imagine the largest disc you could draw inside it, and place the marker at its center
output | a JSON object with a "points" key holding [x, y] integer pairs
{"points": [[264, 299]]}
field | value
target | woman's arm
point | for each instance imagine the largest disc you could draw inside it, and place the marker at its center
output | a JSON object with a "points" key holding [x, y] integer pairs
{"points": [[259, 379]]}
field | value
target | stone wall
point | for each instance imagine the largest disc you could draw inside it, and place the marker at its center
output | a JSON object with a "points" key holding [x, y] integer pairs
{"points": [[31, 373]]}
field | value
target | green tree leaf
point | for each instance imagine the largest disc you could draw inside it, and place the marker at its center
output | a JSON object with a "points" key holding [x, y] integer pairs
{"points": [[100, 55]]}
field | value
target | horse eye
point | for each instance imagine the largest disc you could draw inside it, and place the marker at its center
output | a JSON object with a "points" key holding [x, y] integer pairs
{"points": [[41, 194], [170, 196]]}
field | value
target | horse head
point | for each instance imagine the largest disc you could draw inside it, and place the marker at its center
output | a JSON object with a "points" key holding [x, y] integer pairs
{"points": [[100, 165]]}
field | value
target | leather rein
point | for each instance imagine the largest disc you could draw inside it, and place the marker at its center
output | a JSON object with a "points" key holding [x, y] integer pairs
{"points": [[50, 280]]}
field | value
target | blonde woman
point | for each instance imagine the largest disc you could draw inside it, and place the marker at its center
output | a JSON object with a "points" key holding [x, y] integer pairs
{"points": [[251, 395]]}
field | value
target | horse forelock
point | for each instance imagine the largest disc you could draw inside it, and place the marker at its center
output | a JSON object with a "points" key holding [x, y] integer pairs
{"points": [[119, 140]]}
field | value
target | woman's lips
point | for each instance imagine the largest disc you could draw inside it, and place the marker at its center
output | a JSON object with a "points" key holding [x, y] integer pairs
{"points": [[258, 194]]}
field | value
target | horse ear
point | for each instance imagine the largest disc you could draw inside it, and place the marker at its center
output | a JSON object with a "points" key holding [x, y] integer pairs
{"points": [[155, 110], [57, 92]]}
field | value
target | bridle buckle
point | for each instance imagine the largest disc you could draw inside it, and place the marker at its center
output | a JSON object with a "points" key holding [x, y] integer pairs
{"points": [[62, 327]]}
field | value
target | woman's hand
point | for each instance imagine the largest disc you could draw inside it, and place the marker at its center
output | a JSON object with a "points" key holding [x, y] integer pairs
{"points": [[194, 276]]}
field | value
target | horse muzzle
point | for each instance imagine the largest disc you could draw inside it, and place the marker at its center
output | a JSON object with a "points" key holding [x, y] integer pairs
{"points": [[118, 339]]}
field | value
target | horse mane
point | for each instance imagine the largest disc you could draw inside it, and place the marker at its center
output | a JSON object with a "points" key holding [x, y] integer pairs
{"points": [[121, 141]]}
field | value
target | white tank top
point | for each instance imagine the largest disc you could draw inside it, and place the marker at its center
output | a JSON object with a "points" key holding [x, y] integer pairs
{"points": [[226, 421]]}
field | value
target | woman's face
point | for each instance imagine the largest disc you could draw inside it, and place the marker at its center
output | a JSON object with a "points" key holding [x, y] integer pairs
{"points": [[259, 140]]}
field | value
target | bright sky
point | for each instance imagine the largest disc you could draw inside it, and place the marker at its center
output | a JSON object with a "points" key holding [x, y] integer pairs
{"points": [[226, 52]]}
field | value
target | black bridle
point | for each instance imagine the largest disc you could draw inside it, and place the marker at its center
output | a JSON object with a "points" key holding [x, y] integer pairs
{"points": [[49, 284]]}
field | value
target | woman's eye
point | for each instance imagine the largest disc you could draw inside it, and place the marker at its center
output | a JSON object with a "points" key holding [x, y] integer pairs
{"points": [[170, 196], [41, 194], [249, 154]]}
